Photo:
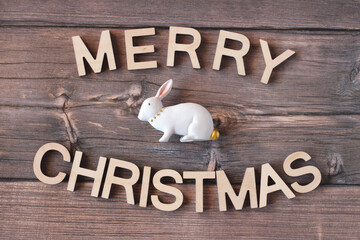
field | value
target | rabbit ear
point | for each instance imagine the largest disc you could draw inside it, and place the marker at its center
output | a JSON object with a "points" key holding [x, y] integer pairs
{"points": [[164, 89]]}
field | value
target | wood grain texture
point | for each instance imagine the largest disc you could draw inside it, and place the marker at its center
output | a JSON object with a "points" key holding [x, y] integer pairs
{"points": [[311, 104], [246, 141], [329, 14], [322, 77], [50, 212]]}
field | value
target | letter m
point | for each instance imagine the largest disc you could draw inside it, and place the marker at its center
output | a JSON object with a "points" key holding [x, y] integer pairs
{"points": [[81, 52]]}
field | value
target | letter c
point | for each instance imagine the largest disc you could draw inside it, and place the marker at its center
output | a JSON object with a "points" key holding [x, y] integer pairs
{"points": [[39, 156]]}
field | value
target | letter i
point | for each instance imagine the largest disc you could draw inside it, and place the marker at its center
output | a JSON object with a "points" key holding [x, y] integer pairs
{"points": [[144, 194]]}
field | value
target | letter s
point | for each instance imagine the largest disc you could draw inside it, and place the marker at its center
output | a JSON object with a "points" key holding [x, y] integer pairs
{"points": [[302, 171]]}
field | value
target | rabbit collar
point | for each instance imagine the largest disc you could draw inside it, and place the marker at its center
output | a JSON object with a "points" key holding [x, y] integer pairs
{"points": [[157, 115]]}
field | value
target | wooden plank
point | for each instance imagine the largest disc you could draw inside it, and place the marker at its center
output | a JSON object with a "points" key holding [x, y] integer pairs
{"points": [[333, 14], [39, 69], [245, 141], [44, 211], [25, 130]]}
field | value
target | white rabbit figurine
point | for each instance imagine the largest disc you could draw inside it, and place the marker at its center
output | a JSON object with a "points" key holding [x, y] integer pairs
{"points": [[191, 120]]}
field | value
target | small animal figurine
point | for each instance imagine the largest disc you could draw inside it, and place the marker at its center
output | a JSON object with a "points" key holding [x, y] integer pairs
{"points": [[190, 120]]}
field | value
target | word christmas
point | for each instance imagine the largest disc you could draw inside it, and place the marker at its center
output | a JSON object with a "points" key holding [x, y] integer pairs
{"points": [[105, 47], [223, 185]]}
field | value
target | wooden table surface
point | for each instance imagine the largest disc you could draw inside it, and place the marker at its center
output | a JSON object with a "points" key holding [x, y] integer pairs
{"points": [[311, 104]]}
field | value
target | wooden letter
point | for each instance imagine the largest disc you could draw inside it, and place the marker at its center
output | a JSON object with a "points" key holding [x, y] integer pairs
{"points": [[126, 182], [248, 185], [237, 54], [199, 185], [189, 48], [266, 172], [81, 52], [179, 198], [145, 187], [131, 50], [39, 156], [272, 63], [96, 175], [302, 171]]}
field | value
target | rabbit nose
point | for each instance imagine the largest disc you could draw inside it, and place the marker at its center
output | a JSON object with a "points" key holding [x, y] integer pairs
{"points": [[140, 117]]}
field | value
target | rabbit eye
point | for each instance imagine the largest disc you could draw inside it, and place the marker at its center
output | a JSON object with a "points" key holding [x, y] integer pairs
{"points": [[149, 104]]}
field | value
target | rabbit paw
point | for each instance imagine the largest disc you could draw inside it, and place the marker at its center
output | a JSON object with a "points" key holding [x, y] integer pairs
{"points": [[187, 138], [163, 140]]}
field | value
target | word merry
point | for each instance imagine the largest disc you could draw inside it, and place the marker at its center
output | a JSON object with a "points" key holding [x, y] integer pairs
{"points": [[105, 47], [223, 185]]}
